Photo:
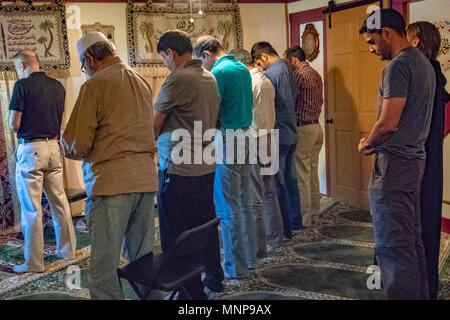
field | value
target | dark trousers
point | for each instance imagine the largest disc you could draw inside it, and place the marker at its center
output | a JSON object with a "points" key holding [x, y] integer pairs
{"points": [[431, 198], [394, 194], [185, 203], [287, 189]]}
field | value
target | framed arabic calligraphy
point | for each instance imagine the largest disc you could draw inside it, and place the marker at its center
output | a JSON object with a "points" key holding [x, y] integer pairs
{"points": [[40, 28], [147, 23]]}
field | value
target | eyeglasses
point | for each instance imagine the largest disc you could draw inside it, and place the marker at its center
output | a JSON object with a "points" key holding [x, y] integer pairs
{"points": [[83, 69]]}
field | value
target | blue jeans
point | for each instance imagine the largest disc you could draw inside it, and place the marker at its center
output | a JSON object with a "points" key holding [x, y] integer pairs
{"points": [[233, 206], [287, 188]]}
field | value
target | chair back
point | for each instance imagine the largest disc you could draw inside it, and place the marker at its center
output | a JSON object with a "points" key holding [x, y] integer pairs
{"points": [[184, 259]]}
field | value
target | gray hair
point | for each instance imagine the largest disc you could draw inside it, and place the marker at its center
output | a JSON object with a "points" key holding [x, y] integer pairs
{"points": [[243, 56], [100, 50], [206, 43]]}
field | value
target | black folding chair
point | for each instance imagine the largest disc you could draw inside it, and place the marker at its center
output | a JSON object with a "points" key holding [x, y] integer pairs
{"points": [[172, 271]]}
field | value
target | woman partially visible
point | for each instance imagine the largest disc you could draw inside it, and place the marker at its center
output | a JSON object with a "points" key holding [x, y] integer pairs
{"points": [[424, 36]]}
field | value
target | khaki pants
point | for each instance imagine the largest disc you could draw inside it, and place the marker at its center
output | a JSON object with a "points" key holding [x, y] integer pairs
{"points": [[39, 167], [309, 144]]}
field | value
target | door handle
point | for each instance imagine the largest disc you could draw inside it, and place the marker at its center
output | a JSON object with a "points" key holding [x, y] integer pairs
{"points": [[330, 121]]}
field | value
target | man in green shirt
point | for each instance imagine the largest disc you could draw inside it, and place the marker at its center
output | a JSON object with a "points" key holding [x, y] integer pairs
{"points": [[232, 183]]}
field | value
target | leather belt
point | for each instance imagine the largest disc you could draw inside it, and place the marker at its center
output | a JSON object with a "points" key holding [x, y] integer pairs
{"points": [[22, 141], [305, 123]]}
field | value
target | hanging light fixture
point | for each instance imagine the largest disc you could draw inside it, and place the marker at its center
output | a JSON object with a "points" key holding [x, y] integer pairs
{"points": [[191, 20], [200, 12]]}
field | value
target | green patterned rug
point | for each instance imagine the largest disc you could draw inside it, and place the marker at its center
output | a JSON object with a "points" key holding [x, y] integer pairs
{"points": [[325, 262]]}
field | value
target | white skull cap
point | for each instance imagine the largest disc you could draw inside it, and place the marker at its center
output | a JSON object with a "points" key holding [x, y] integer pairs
{"points": [[89, 39]]}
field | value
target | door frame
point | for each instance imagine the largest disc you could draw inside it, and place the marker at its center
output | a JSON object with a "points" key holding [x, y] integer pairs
{"points": [[309, 16], [295, 20]]}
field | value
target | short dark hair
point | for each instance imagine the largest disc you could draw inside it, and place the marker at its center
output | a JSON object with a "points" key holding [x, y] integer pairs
{"points": [[242, 56], [384, 18], [296, 52], [429, 36], [206, 43], [175, 40], [262, 47]]}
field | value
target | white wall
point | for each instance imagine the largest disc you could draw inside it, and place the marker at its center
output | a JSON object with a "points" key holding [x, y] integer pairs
{"points": [[108, 14], [435, 11], [264, 22], [304, 5]]}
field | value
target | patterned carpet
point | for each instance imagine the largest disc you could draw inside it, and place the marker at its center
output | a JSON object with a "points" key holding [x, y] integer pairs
{"points": [[325, 262]]}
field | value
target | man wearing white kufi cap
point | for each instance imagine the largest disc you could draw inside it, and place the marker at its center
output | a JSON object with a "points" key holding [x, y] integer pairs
{"points": [[110, 129]]}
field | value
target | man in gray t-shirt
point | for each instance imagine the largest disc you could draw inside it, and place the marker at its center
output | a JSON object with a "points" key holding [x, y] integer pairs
{"points": [[409, 75], [398, 140], [187, 106], [190, 99]]}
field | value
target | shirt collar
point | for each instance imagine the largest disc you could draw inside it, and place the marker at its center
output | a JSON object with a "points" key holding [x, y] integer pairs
{"points": [[225, 57], [275, 63], [113, 60], [193, 63], [254, 71], [304, 65], [36, 74]]}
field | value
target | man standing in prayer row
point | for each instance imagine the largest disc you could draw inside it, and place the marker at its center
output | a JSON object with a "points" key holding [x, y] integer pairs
{"points": [[398, 141], [269, 223], [426, 37], [232, 183], [111, 130], [309, 132], [266, 57], [188, 98], [36, 110]]}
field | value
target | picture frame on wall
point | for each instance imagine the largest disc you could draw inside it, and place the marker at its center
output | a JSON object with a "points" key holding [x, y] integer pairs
{"points": [[147, 23], [107, 30], [311, 42]]}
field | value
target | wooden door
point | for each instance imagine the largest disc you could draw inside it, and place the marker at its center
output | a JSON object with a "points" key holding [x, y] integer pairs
{"points": [[354, 76]]}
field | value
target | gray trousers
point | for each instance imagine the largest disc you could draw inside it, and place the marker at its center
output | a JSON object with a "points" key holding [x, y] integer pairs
{"points": [[395, 207], [268, 220], [123, 221]]}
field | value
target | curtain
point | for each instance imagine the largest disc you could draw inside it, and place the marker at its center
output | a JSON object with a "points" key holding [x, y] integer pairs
{"points": [[9, 204]]}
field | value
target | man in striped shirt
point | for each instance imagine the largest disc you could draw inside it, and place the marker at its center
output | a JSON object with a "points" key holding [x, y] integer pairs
{"points": [[309, 132]]}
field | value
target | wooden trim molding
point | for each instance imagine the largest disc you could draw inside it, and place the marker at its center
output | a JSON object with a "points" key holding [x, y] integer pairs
{"points": [[163, 1], [309, 16], [445, 225], [446, 221]]}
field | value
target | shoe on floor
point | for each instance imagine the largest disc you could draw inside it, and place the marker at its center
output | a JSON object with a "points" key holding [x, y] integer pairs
{"points": [[215, 286], [261, 255], [287, 239], [23, 268], [271, 249]]}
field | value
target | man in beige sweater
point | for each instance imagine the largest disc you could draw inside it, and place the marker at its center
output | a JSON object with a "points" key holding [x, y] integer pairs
{"points": [[111, 130]]}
